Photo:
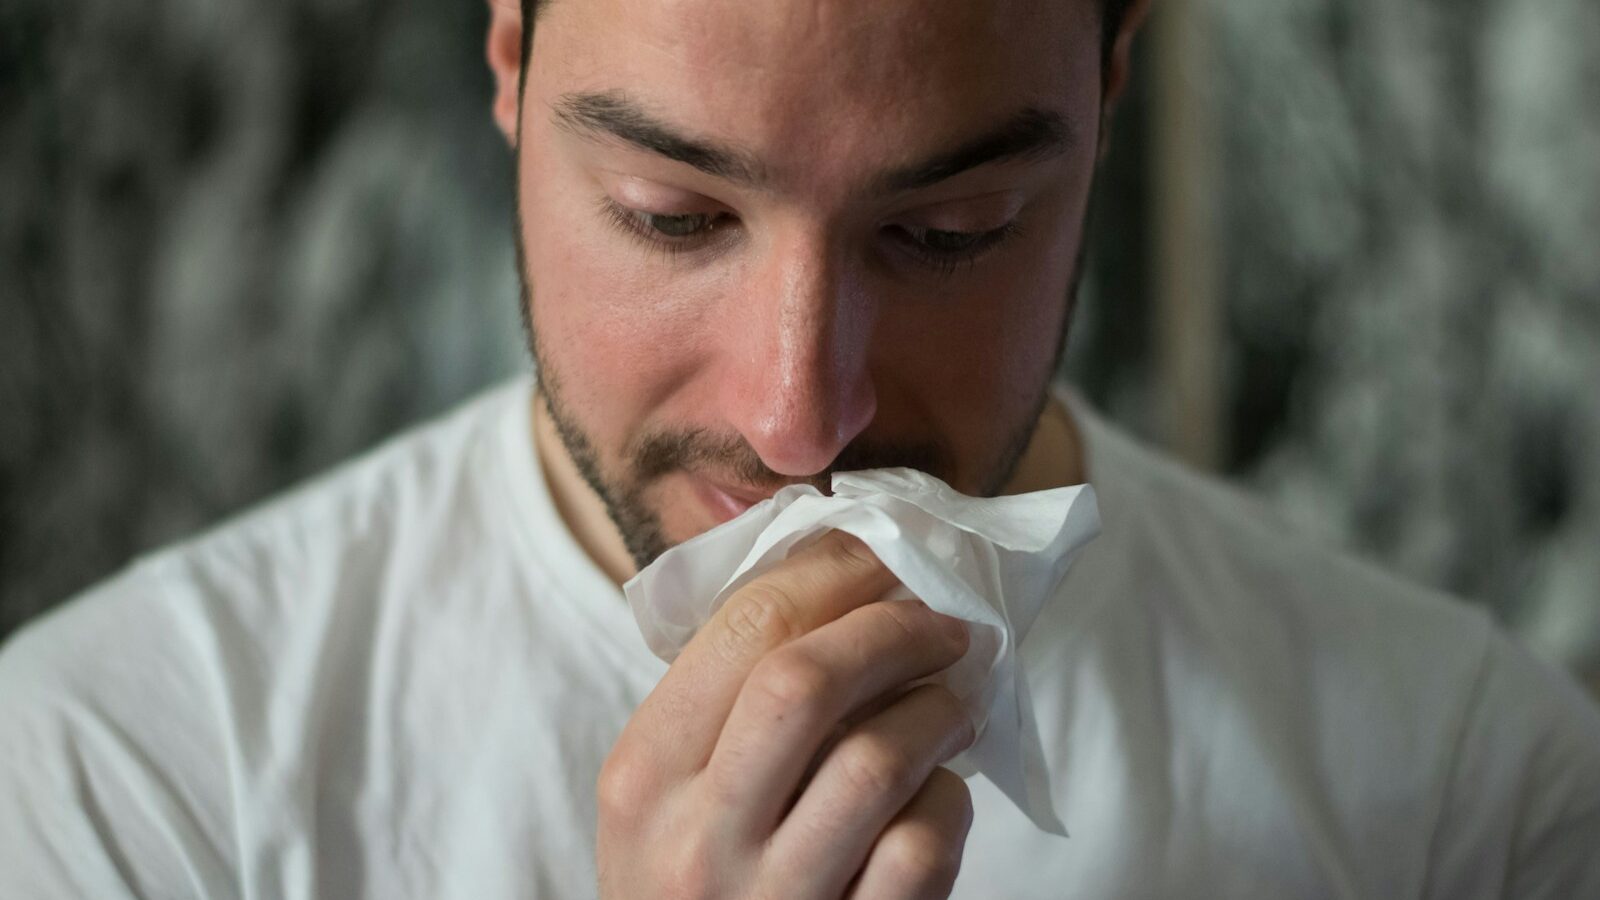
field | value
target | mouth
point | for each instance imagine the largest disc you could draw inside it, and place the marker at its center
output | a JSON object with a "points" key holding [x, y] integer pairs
{"points": [[725, 501]]}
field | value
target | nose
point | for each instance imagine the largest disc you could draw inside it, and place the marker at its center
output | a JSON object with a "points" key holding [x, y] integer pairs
{"points": [[798, 386]]}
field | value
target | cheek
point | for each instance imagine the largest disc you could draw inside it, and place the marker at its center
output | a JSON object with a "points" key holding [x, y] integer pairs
{"points": [[976, 360], [616, 334]]}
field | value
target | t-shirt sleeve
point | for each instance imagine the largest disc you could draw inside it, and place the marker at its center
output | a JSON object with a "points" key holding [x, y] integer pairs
{"points": [[1520, 816], [109, 768]]}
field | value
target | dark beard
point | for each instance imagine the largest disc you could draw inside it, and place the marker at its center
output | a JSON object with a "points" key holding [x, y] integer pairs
{"points": [[660, 454]]}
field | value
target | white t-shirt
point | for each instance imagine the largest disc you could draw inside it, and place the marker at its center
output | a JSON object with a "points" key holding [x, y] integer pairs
{"points": [[400, 682]]}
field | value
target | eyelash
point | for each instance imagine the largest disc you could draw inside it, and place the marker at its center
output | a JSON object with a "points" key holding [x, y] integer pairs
{"points": [[631, 223], [634, 224], [947, 262]]}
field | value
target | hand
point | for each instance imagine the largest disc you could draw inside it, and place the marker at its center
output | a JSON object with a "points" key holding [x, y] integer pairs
{"points": [[706, 793]]}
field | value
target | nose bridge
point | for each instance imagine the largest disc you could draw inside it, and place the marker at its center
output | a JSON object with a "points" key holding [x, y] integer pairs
{"points": [[807, 388], [819, 337]]}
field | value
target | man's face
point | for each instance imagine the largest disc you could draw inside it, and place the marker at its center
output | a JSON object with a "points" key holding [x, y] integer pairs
{"points": [[765, 241]]}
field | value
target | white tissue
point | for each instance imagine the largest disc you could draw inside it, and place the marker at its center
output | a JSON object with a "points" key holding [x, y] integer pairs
{"points": [[989, 561]]}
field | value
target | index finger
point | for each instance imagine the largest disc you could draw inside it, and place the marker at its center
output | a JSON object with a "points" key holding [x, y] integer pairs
{"points": [[833, 576]]}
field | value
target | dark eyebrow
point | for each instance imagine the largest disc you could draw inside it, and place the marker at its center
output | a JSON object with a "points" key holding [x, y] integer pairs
{"points": [[613, 113], [1030, 134]]}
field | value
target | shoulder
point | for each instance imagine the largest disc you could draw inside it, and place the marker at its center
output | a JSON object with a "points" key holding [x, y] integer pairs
{"points": [[1205, 552], [302, 561], [416, 481], [110, 751], [1521, 804], [352, 539], [137, 714], [1402, 714]]}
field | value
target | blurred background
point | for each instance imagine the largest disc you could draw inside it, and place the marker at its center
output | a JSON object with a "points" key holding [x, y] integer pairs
{"points": [[1345, 253]]}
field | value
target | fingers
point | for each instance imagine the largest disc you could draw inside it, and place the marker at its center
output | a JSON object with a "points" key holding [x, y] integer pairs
{"points": [[919, 855], [866, 779], [699, 780], [796, 696], [678, 724]]}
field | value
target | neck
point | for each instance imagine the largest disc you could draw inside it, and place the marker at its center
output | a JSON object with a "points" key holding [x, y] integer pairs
{"points": [[1054, 457]]}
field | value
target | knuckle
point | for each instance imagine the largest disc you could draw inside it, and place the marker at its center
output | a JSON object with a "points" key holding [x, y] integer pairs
{"points": [[912, 617], [625, 788], [876, 766], [921, 628], [762, 616], [849, 553], [950, 710], [792, 682], [958, 795], [920, 856], [689, 871]]}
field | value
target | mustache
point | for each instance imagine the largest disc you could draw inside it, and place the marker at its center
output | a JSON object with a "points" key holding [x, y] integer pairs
{"points": [[662, 453]]}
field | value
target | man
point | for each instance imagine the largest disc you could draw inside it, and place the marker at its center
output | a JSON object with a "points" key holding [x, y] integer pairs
{"points": [[763, 242]]}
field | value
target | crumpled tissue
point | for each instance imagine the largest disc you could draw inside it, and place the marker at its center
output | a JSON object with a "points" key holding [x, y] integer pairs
{"points": [[991, 562]]}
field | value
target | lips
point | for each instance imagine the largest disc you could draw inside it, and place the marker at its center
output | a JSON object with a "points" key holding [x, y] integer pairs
{"points": [[725, 501]]}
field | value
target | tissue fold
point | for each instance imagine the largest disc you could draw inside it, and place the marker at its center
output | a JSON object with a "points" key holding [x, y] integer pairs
{"points": [[989, 561]]}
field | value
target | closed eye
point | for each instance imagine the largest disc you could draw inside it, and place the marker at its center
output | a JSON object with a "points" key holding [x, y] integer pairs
{"points": [[945, 250], [671, 232]]}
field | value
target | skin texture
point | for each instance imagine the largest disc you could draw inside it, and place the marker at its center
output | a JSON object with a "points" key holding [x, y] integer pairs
{"points": [[816, 321], [803, 333]]}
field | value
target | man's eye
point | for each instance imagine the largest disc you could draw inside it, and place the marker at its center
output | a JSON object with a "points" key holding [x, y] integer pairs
{"points": [[945, 250], [678, 226], [950, 241], [658, 231]]}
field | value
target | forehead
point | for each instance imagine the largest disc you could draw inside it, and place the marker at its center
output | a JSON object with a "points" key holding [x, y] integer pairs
{"points": [[817, 85]]}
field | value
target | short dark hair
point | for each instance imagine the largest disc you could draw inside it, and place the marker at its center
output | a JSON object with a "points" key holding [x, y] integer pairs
{"points": [[1111, 13]]}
